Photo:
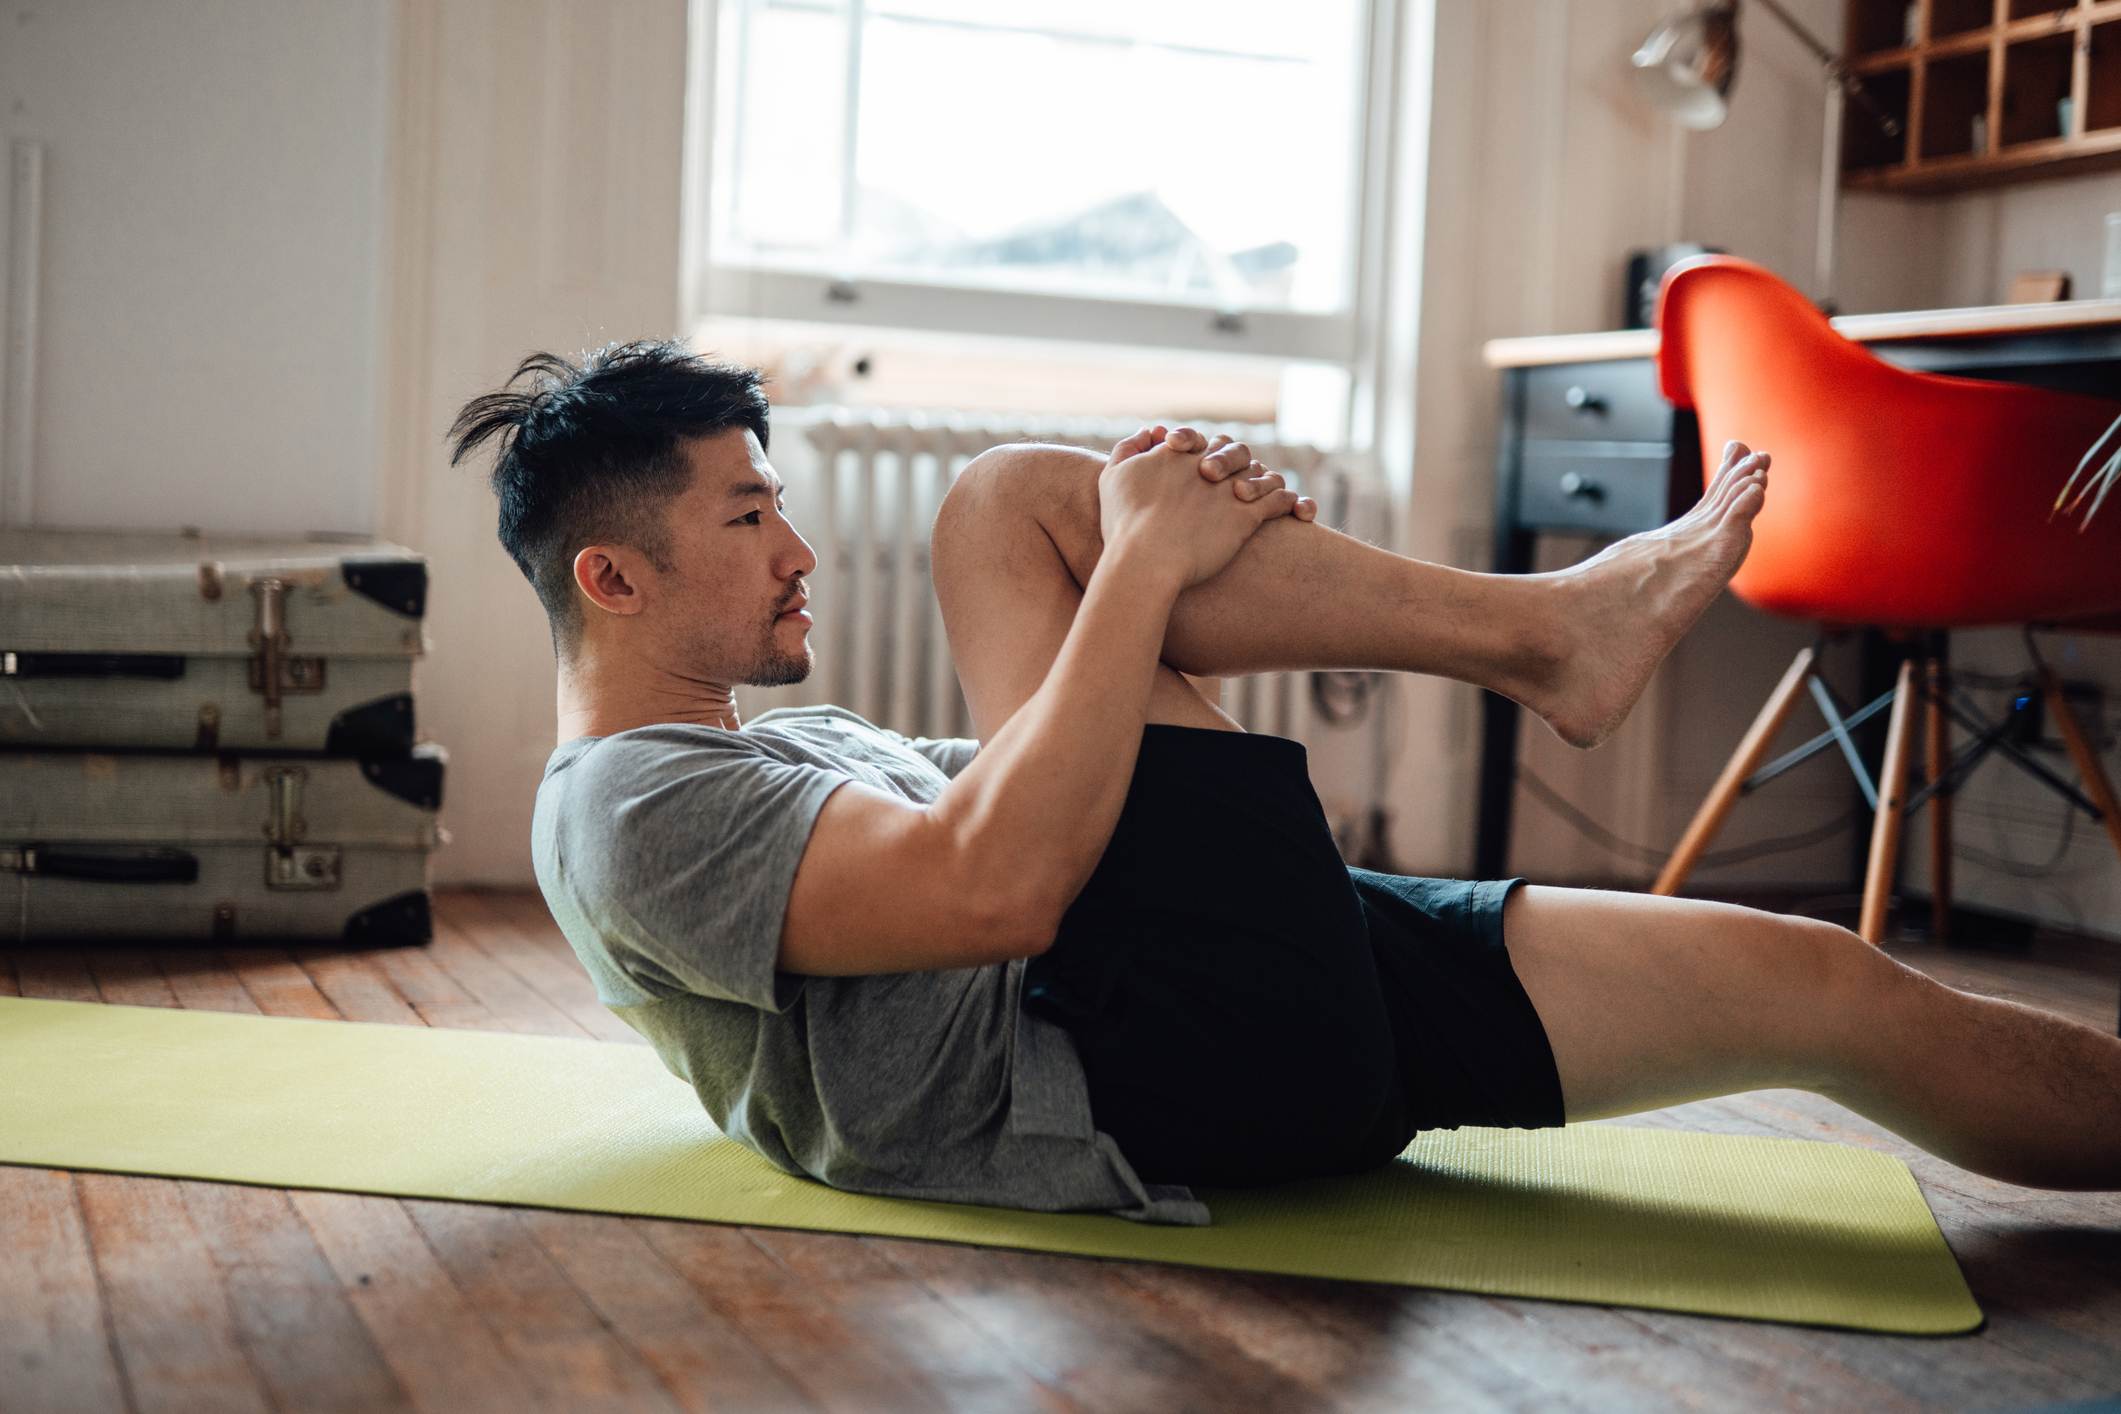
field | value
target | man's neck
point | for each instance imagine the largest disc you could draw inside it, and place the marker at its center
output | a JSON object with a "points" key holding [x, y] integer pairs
{"points": [[593, 703]]}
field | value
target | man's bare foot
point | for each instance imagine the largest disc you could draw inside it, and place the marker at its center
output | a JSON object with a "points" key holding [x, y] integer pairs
{"points": [[1622, 610]]}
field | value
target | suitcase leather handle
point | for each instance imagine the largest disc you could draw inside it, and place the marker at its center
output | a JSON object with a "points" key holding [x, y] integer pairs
{"points": [[146, 865], [93, 665]]}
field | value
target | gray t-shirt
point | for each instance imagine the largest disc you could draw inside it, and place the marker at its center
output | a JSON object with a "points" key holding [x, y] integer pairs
{"points": [[666, 854]]}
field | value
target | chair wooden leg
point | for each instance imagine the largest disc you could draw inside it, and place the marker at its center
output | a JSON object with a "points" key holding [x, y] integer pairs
{"points": [[1724, 794], [1936, 756], [1892, 808], [2096, 785]]}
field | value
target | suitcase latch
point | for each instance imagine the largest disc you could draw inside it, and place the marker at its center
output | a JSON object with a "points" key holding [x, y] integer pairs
{"points": [[273, 671], [290, 864]]}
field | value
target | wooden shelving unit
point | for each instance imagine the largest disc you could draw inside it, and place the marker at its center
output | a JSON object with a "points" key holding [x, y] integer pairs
{"points": [[1987, 91]]}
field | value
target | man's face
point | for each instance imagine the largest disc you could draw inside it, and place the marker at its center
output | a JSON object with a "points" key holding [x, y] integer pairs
{"points": [[736, 565]]}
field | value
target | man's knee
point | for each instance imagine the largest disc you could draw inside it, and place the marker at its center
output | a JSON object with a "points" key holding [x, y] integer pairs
{"points": [[1873, 1004], [1652, 1001], [1856, 992], [1053, 486]]}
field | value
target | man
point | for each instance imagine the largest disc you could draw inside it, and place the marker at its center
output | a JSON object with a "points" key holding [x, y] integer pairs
{"points": [[1108, 951]]}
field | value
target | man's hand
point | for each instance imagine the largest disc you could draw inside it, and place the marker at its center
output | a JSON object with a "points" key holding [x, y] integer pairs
{"points": [[1147, 502], [1226, 458]]}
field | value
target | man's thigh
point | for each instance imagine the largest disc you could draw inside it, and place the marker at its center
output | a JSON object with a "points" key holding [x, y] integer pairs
{"points": [[1651, 1001], [1007, 589]]}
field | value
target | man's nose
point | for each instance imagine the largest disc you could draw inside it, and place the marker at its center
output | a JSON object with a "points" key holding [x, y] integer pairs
{"points": [[801, 558]]}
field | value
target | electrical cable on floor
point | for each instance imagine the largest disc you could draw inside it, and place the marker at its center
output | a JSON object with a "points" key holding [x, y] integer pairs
{"points": [[2018, 869], [1599, 835], [2102, 730]]}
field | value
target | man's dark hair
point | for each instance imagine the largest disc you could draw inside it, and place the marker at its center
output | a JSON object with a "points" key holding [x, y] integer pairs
{"points": [[592, 453]]}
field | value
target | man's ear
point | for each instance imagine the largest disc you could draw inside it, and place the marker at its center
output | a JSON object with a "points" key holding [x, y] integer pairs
{"points": [[610, 577]]}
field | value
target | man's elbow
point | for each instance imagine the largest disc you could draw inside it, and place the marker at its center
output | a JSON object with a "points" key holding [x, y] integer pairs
{"points": [[1011, 910], [1017, 926]]}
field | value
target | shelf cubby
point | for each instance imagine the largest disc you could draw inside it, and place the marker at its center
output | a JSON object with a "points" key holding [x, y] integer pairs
{"points": [[1950, 17], [1987, 91], [2102, 107], [2036, 88], [1879, 28], [1865, 146], [1954, 106]]}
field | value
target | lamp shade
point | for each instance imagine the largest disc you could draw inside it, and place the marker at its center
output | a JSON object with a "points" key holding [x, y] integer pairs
{"points": [[1687, 66]]}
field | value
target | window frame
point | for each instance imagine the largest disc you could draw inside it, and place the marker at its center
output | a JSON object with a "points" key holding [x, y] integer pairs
{"points": [[717, 289]]}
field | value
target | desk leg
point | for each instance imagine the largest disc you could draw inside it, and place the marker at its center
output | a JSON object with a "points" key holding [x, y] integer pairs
{"points": [[1498, 741]]}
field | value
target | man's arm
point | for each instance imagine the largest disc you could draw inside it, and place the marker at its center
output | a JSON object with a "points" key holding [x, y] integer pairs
{"points": [[985, 873], [949, 754]]}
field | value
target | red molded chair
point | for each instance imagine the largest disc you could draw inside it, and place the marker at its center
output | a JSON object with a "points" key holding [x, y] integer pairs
{"points": [[1902, 501]]}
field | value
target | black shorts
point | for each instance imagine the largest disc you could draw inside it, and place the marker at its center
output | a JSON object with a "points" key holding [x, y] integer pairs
{"points": [[1249, 1009]]}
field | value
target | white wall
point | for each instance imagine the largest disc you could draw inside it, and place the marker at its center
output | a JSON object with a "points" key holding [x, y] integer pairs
{"points": [[213, 258], [537, 180], [1972, 243]]}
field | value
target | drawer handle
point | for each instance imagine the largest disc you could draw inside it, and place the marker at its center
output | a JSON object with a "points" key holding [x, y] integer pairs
{"points": [[1576, 486], [1583, 400]]}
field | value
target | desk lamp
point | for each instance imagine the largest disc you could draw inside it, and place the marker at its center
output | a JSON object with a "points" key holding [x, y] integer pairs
{"points": [[1687, 66]]}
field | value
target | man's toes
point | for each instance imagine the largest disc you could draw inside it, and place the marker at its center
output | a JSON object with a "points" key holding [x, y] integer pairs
{"points": [[1731, 478], [1753, 470], [1747, 500]]}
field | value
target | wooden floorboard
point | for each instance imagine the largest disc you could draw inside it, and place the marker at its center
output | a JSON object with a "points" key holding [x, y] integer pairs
{"points": [[123, 1292], [56, 1347]]}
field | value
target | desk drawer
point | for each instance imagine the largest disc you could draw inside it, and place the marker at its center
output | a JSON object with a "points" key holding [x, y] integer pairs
{"points": [[1596, 402], [1603, 493]]}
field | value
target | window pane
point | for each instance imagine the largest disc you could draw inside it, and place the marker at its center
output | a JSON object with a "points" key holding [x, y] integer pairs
{"points": [[1162, 149], [781, 141]]}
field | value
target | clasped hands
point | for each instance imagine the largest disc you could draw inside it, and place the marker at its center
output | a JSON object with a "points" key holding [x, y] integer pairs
{"points": [[1151, 498], [1219, 459]]}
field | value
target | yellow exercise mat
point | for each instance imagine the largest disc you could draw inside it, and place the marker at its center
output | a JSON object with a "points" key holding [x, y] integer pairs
{"points": [[1772, 1229]]}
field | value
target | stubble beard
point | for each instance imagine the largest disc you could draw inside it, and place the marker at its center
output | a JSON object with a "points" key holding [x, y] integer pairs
{"points": [[777, 667]]}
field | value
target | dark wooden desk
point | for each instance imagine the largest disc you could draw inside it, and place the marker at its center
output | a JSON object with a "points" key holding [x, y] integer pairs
{"points": [[1589, 446]]}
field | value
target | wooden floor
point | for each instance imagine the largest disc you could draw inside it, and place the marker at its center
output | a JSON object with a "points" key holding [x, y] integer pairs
{"points": [[119, 1292]]}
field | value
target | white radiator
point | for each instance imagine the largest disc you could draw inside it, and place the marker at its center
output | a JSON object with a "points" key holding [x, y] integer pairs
{"points": [[879, 478]]}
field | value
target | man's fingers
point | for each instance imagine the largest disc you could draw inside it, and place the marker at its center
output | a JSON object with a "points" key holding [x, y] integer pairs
{"points": [[1271, 498], [1227, 461], [1132, 446], [1185, 439], [1279, 503]]}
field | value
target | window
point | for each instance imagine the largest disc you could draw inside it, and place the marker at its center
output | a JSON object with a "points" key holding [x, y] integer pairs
{"points": [[1174, 174]]}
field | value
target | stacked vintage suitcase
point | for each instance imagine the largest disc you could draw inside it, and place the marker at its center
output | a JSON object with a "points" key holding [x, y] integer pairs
{"points": [[211, 737]]}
